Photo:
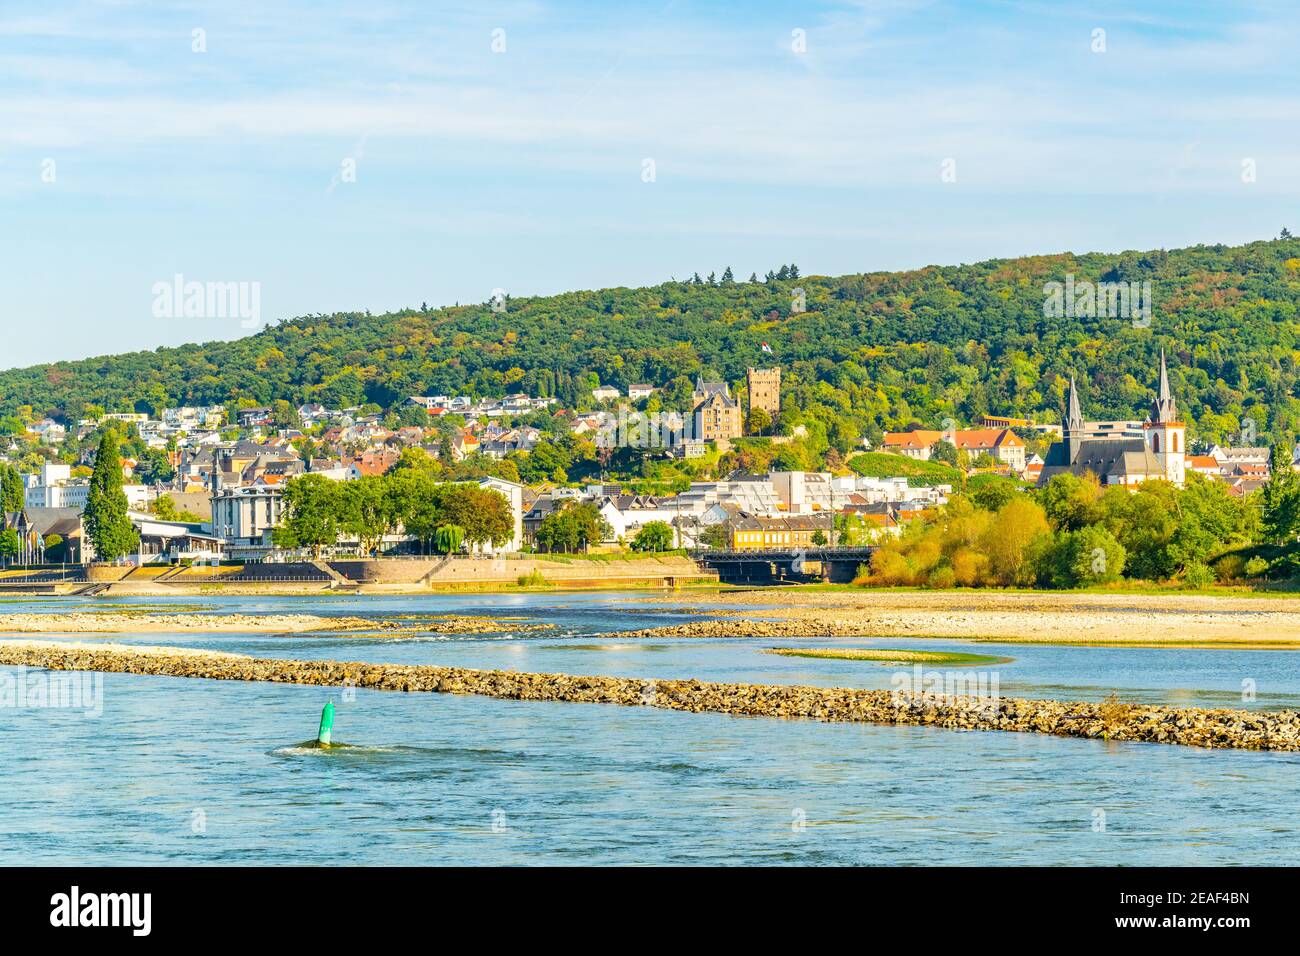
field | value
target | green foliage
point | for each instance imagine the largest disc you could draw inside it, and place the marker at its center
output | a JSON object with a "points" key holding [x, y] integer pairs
{"points": [[164, 508], [317, 510], [107, 526], [12, 495], [449, 538], [573, 528], [944, 451], [881, 464], [1197, 575], [1070, 534], [871, 352], [1087, 556], [1280, 522], [55, 548], [10, 543], [991, 492], [759, 421], [653, 536], [312, 507], [366, 511]]}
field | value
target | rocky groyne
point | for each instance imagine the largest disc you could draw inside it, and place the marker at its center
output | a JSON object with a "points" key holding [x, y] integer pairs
{"points": [[127, 622], [746, 628], [1110, 720]]}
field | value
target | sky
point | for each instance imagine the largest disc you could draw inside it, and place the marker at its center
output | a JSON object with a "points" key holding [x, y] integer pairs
{"points": [[340, 156]]}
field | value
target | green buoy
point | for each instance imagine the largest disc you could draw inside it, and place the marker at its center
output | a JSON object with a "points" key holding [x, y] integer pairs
{"points": [[326, 724]]}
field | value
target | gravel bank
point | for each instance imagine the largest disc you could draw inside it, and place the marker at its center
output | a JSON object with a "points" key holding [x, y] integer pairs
{"points": [[1014, 616], [1278, 730]]}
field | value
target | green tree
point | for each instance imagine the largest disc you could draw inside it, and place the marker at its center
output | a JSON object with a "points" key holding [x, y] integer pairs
{"points": [[483, 513], [12, 495], [55, 550], [366, 510], [10, 543], [449, 538], [573, 528], [108, 528], [653, 536], [1068, 500], [164, 508], [311, 514], [1089, 556], [944, 451], [1281, 500]]}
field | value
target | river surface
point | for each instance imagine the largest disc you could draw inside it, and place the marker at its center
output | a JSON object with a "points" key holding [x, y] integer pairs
{"points": [[183, 771]]}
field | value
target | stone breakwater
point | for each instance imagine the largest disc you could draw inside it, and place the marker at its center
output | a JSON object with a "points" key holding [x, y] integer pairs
{"points": [[1279, 730], [120, 622], [747, 628]]}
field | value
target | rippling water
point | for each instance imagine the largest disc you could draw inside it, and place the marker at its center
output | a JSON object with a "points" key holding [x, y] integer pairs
{"points": [[190, 771]]}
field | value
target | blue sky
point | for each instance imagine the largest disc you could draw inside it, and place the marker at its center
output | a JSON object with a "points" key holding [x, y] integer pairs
{"points": [[523, 169]]}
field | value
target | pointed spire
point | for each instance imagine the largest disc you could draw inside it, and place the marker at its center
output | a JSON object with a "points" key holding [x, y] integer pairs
{"points": [[1163, 409], [1074, 420]]}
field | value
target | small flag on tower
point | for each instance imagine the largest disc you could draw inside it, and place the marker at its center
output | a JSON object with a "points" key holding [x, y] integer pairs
{"points": [[767, 348]]}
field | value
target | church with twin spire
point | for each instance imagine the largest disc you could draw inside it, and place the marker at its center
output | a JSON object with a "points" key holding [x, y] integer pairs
{"points": [[1122, 453]]}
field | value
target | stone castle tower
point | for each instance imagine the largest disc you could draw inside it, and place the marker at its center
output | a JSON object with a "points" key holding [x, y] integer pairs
{"points": [[764, 390]]}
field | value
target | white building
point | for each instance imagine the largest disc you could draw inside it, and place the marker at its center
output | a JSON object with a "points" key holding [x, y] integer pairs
{"points": [[514, 495], [245, 517], [54, 487], [750, 494]]}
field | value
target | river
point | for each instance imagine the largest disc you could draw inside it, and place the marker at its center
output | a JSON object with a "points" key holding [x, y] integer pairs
{"points": [[182, 771]]}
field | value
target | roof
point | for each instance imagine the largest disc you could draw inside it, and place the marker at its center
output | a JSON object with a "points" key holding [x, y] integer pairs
{"points": [[987, 438], [921, 438]]}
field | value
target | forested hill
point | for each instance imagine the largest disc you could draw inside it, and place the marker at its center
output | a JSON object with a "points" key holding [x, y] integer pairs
{"points": [[871, 352]]}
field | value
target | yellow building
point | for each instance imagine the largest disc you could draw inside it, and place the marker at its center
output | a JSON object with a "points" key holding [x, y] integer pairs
{"points": [[747, 533]]}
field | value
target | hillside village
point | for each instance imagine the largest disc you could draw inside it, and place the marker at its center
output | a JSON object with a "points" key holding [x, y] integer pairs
{"points": [[209, 482]]}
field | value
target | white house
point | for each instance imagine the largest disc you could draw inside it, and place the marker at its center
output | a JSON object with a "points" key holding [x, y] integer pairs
{"points": [[514, 494]]}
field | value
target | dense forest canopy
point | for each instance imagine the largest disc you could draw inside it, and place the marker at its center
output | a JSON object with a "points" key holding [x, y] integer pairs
{"points": [[869, 353]]}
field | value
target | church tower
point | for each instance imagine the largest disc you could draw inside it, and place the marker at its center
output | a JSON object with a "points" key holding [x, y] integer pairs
{"points": [[1165, 434], [1072, 434]]}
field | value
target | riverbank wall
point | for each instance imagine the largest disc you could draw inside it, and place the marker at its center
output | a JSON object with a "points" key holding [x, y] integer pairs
{"points": [[1108, 720], [385, 576]]}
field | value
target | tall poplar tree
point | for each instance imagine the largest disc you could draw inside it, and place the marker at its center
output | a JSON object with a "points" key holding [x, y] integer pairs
{"points": [[107, 526]]}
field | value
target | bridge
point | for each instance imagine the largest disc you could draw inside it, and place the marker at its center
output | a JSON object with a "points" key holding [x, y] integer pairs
{"points": [[793, 565]]}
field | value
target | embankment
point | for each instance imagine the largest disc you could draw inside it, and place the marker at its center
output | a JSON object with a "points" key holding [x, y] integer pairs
{"points": [[1108, 720], [388, 576]]}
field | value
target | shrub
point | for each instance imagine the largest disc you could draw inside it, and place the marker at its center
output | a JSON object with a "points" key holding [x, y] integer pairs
{"points": [[1197, 575], [942, 577], [1256, 567], [1230, 567]]}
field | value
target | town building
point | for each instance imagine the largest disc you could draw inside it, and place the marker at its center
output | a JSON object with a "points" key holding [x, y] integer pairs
{"points": [[758, 533], [715, 414], [243, 518], [1001, 444], [1159, 452]]}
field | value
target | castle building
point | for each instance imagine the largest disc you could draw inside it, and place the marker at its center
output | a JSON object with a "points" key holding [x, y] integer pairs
{"points": [[764, 390], [1158, 451], [715, 413]]}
